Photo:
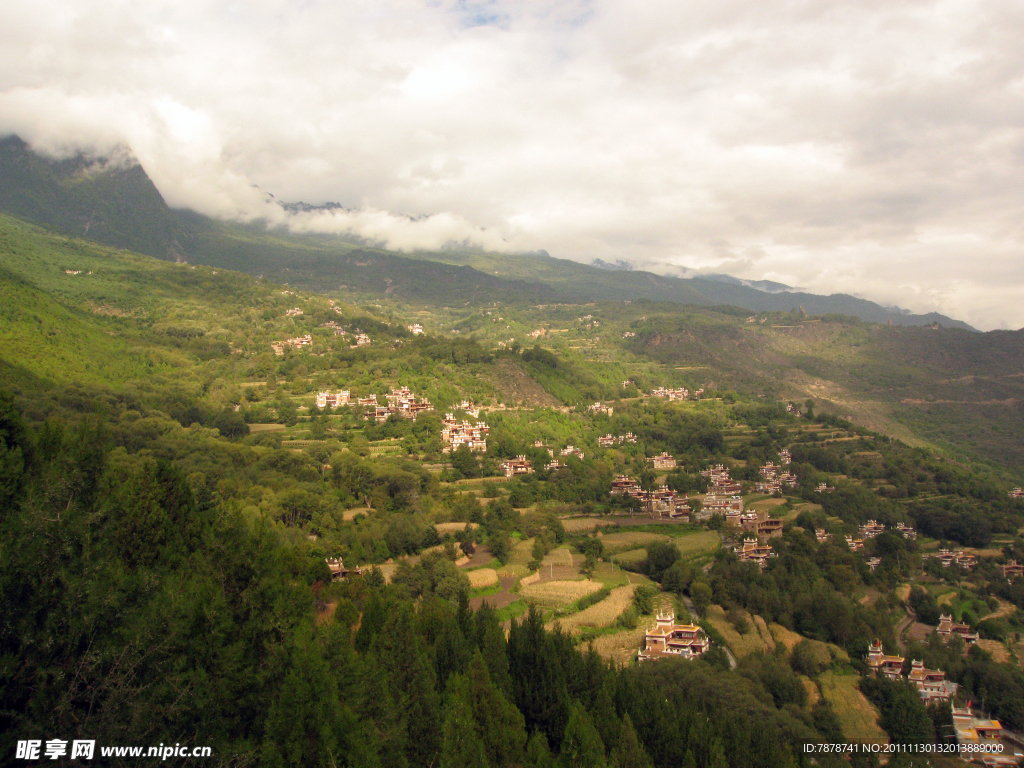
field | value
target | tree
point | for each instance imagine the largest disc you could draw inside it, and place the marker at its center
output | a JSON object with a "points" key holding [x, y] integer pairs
{"points": [[464, 462], [461, 745], [700, 593], [581, 746], [630, 752], [660, 557]]}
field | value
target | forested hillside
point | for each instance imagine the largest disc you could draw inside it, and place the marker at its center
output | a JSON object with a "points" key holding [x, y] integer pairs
{"points": [[173, 500]]}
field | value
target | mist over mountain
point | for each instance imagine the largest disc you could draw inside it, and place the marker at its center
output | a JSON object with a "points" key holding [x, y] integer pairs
{"points": [[112, 201]]}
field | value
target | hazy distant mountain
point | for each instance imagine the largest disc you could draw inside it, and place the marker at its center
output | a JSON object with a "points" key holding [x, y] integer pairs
{"points": [[762, 285], [620, 265], [113, 201]]}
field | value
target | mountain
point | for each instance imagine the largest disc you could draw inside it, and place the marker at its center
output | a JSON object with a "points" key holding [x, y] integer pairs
{"points": [[109, 200], [113, 201]]}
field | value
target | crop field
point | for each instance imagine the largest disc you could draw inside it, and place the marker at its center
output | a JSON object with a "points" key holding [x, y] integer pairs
{"points": [[620, 647], [612, 576], [742, 645], [522, 552], [577, 524], [621, 542], [998, 650], [696, 544], [631, 557], [558, 556], [482, 578], [764, 504], [514, 570], [558, 593], [858, 719], [255, 428], [787, 637], [600, 614], [443, 528]]}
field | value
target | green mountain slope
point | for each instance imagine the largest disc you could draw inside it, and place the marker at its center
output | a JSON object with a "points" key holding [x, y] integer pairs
{"points": [[112, 203], [605, 285]]}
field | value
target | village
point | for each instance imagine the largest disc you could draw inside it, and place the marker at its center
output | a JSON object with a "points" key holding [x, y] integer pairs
{"points": [[741, 513]]}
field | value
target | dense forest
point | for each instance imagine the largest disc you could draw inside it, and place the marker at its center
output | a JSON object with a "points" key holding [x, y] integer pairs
{"points": [[136, 611]]}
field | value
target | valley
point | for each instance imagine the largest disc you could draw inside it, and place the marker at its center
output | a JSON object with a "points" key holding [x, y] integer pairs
{"points": [[174, 498]]}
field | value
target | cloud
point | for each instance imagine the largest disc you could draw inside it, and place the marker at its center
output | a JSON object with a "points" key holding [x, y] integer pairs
{"points": [[871, 148]]}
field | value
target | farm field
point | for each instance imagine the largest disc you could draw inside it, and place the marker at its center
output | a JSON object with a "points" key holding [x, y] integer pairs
{"points": [[558, 593], [858, 719], [600, 614], [481, 578], [757, 638]]}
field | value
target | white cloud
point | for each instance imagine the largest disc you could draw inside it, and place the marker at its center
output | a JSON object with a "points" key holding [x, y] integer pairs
{"points": [[871, 148]]}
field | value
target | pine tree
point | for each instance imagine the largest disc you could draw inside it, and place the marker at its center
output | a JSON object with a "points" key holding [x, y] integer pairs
{"points": [[581, 746], [630, 752], [461, 745]]}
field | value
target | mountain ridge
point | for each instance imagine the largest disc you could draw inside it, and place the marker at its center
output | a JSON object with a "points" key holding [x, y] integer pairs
{"points": [[120, 206]]}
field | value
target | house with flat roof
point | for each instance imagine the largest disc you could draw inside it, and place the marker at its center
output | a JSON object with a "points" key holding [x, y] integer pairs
{"points": [[931, 683], [663, 461], [520, 465], [666, 639], [880, 663], [947, 628]]}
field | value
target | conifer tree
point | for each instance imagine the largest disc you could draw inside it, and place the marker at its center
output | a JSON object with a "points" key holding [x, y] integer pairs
{"points": [[461, 745], [581, 746], [630, 752]]}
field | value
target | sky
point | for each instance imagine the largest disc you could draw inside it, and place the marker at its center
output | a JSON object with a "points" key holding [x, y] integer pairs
{"points": [[873, 147]]}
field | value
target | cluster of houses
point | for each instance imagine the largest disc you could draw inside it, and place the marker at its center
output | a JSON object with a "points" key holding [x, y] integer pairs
{"points": [[572, 450], [682, 393], [600, 408], [931, 684], [773, 477], [720, 482], [751, 522], [1017, 493], [873, 528], [752, 551], [362, 340], [520, 465], [663, 461], [294, 312], [415, 329], [470, 408], [1012, 569], [339, 571], [333, 326], [662, 502], [328, 399], [954, 557], [714, 504], [610, 440], [948, 628], [297, 343], [455, 433], [401, 402], [870, 530], [666, 639], [824, 488]]}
